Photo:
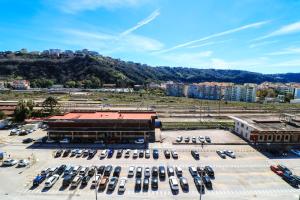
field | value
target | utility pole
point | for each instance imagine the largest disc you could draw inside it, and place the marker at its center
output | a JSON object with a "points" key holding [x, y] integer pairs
{"points": [[96, 193]]}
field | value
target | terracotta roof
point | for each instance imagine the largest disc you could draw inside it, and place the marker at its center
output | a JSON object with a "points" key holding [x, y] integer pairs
{"points": [[106, 115]]}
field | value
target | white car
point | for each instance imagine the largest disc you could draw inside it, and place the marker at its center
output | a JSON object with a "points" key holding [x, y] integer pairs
{"points": [[51, 180], [174, 183], [14, 132], [139, 141], [201, 139], [229, 153], [127, 153], [296, 152], [147, 153], [23, 163], [122, 184], [64, 141], [103, 154], [79, 153], [9, 162], [135, 153], [95, 181], [131, 171]]}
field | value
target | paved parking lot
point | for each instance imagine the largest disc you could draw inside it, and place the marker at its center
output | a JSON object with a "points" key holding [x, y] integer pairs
{"points": [[246, 177]]}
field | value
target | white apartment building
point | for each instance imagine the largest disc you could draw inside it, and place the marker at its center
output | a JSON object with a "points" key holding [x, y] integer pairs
{"points": [[297, 93], [245, 93], [1, 85], [21, 84], [175, 89]]}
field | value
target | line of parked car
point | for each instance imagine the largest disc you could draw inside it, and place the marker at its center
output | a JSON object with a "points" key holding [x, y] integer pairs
{"points": [[286, 174], [226, 153], [193, 139], [109, 153], [147, 177], [12, 162]]}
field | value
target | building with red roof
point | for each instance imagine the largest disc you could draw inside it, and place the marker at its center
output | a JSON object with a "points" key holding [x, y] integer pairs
{"points": [[109, 126]]}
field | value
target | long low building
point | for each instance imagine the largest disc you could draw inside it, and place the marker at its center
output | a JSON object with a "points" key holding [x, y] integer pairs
{"points": [[281, 129], [110, 126]]}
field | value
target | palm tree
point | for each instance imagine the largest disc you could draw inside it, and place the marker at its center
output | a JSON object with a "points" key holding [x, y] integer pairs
{"points": [[50, 105]]}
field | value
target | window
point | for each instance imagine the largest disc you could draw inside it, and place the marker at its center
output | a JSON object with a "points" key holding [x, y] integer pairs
{"points": [[261, 137], [242, 125], [278, 137], [270, 137], [247, 128], [286, 137]]}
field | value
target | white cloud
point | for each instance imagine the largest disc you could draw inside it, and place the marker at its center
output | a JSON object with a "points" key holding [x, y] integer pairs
{"points": [[259, 44], [145, 21], [73, 6], [287, 51], [284, 30], [248, 26]]}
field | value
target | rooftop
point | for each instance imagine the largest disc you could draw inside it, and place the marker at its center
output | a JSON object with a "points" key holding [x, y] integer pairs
{"points": [[105, 115], [270, 123]]}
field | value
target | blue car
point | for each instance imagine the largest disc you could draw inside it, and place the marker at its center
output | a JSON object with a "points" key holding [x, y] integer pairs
{"points": [[110, 153], [38, 180], [155, 154]]}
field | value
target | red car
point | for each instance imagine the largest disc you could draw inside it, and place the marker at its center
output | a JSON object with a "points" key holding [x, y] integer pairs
{"points": [[276, 170]]}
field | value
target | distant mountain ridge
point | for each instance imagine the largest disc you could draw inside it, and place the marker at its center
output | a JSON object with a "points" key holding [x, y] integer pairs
{"points": [[110, 70]]}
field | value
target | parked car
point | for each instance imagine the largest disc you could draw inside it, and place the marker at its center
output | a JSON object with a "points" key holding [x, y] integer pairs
{"points": [[290, 179], [174, 184], [112, 183], [138, 184], [195, 154], [276, 170], [53, 171], [167, 154], [187, 139], [119, 153], [49, 141], [207, 181], [135, 153], [201, 171], [75, 182], [108, 169], [122, 185], [68, 170], [79, 153], [76, 169], [23, 163], [154, 183], [103, 183], [100, 169], [155, 154], [51, 181], [209, 171], [38, 180], [194, 140], [45, 172], [201, 139], [127, 153], [141, 153], [230, 153], [117, 171], [147, 172], [131, 171], [103, 154], [66, 152], [67, 180], [178, 171], [154, 171], [221, 154], [174, 154], [139, 171], [86, 152], [146, 184], [95, 181], [73, 152], [83, 171], [297, 178], [61, 169], [284, 169], [58, 153], [162, 172], [147, 153], [193, 171], [92, 153], [91, 171], [184, 183], [9, 162], [207, 139], [110, 153], [199, 184], [170, 171], [179, 139], [85, 180]]}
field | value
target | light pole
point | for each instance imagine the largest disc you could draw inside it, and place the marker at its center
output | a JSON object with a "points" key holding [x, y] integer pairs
{"points": [[96, 193]]}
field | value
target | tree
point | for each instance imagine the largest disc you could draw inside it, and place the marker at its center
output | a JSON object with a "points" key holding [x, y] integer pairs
{"points": [[21, 112], [70, 84], [51, 105], [288, 97], [2, 115]]}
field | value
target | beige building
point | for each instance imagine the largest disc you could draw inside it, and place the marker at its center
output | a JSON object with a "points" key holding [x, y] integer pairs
{"points": [[268, 129]]}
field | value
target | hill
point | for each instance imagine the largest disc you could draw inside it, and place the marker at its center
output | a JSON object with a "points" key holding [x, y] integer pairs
{"points": [[80, 68]]}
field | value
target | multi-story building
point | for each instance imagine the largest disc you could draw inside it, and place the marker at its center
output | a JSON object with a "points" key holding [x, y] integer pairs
{"points": [[21, 84], [2, 86], [246, 93], [175, 89], [297, 93]]}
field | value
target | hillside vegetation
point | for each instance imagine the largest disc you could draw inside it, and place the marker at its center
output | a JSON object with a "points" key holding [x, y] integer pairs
{"points": [[99, 70]]}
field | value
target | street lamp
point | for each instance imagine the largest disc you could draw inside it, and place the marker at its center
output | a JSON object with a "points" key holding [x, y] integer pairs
{"points": [[95, 174]]}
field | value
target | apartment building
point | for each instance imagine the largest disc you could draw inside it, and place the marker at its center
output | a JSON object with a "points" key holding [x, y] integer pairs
{"points": [[21, 84], [245, 93], [176, 89], [297, 93]]}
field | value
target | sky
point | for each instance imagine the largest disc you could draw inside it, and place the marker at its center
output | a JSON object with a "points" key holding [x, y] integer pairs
{"points": [[254, 35]]}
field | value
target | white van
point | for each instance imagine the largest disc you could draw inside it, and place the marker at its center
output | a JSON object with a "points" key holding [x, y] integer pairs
{"points": [[50, 181]]}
